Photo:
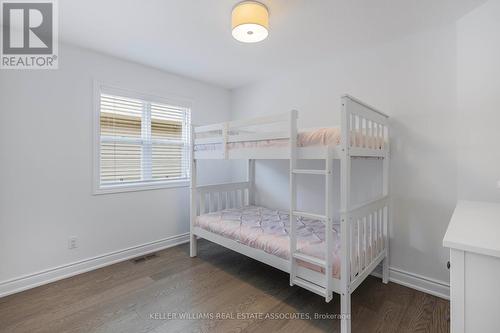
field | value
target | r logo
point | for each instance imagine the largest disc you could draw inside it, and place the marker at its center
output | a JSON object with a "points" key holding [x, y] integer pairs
{"points": [[27, 28]]}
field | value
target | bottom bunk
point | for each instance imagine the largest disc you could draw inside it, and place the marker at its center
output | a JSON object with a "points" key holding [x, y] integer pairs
{"points": [[263, 234]]}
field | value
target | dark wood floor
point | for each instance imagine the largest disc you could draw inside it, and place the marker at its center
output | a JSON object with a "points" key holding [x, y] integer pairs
{"points": [[140, 297]]}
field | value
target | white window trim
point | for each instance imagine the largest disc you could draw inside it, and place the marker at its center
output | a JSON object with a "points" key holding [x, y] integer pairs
{"points": [[100, 87]]}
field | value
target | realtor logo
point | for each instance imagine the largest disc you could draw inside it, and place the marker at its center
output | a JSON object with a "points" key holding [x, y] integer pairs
{"points": [[29, 34]]}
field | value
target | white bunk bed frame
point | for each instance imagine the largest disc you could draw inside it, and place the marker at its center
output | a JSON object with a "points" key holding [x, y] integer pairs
{"points": [[364, 228]]}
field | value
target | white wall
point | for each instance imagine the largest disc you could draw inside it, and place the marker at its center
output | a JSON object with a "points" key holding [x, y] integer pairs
{"points": [[479, 103], [46, 159], [413, 80]]}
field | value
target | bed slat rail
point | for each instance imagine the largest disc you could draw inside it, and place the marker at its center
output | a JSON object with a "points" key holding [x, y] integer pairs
{"points": [[367, 128], [212, 198], [258, 136], [234, 132], [279, 130], [368, 237]]}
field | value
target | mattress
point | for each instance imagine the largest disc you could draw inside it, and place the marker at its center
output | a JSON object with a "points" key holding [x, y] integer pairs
{"points": [[329, 136], [268, 230]]}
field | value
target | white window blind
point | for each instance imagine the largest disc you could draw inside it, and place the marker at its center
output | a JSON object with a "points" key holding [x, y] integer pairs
{"points": [[142, 142]]}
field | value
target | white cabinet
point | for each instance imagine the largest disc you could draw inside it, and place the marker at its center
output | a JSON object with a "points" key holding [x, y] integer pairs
{"points": [[473, 237]]}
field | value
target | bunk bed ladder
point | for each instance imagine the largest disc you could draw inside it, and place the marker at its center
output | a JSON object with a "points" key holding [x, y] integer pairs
{"points": [[326, 264]]}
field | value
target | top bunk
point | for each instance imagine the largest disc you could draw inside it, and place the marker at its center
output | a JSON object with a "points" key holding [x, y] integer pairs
{"points": [[363, 128]]}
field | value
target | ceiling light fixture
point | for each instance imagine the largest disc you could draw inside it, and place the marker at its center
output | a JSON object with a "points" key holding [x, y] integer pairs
{"points": [[250, 22]]}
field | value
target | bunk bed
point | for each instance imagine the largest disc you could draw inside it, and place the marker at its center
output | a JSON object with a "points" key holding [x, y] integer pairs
{"points": [[322, 254]]}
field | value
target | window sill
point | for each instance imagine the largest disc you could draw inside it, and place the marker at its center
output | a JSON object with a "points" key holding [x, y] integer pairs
{"points": [[139, 187]]}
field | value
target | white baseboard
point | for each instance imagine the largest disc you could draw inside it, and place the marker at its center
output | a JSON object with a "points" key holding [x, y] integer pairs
{"points": [[418, 282], [61, 272], [407, 279]]}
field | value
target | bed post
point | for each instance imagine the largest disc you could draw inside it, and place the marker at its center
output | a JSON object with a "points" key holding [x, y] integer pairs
{"points": [[345, 193], [385, 262], [293, 192], [251, 180], [329, 225], [192, 237]]}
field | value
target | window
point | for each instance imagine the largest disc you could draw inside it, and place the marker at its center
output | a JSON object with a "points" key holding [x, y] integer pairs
{"points": [[142, 142]]}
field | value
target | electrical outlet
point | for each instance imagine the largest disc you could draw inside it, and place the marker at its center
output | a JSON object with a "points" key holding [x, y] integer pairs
{"points": [[72, 243]]}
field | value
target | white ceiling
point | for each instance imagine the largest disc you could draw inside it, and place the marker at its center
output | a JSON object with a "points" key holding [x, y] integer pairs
{"points": [[193, 37]]}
